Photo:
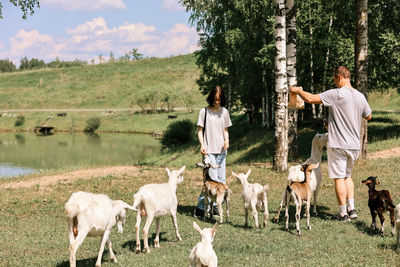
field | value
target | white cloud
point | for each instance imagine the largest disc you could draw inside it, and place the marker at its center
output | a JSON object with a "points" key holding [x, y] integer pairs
{"points": [[172, 5], [94, 37], [84, 4]]}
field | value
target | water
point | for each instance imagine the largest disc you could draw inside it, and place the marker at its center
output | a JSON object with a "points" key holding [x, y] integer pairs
{"points": [[24, 153]]}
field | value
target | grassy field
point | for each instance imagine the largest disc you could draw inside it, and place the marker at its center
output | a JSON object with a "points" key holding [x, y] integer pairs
{"points": [[34, 228], [109, 85]]}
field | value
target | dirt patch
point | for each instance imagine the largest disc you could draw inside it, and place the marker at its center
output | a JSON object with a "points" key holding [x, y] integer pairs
{"points": [[47, 180], [383, 154]]}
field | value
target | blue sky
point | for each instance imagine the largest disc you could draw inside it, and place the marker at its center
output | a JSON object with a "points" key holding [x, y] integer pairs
{"points": [[84, 29]]}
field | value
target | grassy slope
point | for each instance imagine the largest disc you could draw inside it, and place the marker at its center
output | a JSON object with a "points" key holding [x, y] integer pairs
{"points": [[110, 85]]}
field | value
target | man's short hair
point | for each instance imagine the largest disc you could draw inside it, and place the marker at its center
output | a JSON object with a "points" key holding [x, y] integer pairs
{"points": [[342, 70]]}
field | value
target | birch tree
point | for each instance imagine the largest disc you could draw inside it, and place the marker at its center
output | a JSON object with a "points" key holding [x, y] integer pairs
{"points": [[291, 74], [281, 89], [361, 63], [26, 6]]}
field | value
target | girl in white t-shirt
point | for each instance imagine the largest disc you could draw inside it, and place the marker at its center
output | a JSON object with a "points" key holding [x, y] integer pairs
{"points": [[213, 135]]}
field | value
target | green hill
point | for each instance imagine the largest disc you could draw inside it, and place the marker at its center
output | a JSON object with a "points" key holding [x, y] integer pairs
{"points": [[108, 85]]}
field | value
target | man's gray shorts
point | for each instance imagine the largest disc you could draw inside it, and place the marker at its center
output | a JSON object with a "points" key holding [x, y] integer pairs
{"points": [[341, 162]]}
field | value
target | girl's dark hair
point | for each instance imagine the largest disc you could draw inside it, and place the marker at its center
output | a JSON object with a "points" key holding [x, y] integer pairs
{"points": [[213, 92]]}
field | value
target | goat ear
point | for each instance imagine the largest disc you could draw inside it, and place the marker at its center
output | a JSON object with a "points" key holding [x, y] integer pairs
{"points": [[248, 172], [168, 172], [201, 165], [181, 170], [196, 227], [214, 229], [234, 174], [314, 166]]}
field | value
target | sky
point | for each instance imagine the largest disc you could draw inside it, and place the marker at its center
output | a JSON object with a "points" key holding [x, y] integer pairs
{"points": [[85, 29]]}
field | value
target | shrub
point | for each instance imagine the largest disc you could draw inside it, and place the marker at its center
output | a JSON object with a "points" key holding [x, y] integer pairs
{"points": [[178, 133], [19, 121], [92, 124]]}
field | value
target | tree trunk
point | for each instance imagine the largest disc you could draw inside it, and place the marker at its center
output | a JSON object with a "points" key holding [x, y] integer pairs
{"points": [[321, 113], [291, 73], [281, 113], [361, 63], [314, 112]]}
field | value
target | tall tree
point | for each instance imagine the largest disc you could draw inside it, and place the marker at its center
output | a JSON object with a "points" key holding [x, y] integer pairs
{"points": [[281, 106], [291, 74], [25, 6], [361, 63]]}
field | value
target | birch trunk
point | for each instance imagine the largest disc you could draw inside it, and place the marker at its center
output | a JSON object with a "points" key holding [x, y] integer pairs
{"points": [[291, 73], [361, 63], [314, 112], [321, 107], [281, 103]]}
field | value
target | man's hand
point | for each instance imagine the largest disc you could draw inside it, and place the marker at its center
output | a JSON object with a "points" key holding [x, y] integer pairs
{"points": [[203, 150], [226, 144], [295, 89]]}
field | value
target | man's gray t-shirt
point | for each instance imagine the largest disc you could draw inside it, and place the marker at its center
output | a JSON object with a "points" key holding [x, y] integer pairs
{"points": [[216, 123], [347, 107]]}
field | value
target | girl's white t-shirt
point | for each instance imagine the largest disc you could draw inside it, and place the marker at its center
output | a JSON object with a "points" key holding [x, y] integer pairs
{"points": [[216, 122]]}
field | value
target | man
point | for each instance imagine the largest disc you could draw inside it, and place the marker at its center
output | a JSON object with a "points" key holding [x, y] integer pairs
{"points": [[347, 107]]}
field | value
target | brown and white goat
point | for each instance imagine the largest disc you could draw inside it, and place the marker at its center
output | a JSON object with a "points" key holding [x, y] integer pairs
{"points": [[397, 224], [379, 202], [217, 192], [299, 192]]}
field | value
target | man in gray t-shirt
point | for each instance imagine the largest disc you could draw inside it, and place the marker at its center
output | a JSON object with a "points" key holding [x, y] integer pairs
{"points": [[347, 107]]}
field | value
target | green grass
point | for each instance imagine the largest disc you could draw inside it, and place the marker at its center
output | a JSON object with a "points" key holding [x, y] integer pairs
{"points": [[109, 85], [34, 228]]}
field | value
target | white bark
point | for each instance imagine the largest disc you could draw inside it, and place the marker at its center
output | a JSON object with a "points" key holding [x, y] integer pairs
{"points": [[291, 73], [281, 89], [361, 62]]}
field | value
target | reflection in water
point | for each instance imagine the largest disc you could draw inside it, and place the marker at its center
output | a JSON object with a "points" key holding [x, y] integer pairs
{"points": [[65, 150], [20, 138], [93, 138], [7, 170]]}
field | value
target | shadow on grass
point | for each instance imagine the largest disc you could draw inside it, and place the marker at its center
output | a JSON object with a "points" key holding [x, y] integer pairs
{"points": [[392, 246], [364, 228], [186, 210], [131, 244], [379, 133], [90, 261]]}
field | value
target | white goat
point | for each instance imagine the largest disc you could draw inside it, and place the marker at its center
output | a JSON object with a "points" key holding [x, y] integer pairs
{"points": [[93, 215], [157, 200], [254, 197], [397, 223], [296, 175], [203, 253]]}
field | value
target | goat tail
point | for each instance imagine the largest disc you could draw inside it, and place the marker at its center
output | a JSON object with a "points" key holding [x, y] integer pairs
{"points": [[388, 203], [265, 188], [71, 210]]}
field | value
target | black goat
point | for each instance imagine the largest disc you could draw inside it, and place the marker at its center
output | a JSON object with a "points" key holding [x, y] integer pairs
{"points": [[379, 202]]}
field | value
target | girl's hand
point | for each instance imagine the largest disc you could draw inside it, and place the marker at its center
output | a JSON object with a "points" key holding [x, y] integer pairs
{"points": [[203, 150], [226, 144]]}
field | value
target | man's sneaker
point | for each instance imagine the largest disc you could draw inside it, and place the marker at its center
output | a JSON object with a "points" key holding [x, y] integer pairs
{"points": [[339, 218], [198, 213], [352, 214]]}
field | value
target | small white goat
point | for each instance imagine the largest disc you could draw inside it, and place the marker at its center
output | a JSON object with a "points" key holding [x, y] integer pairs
{"points": [[216, 191], [93, 215], [203, 253], [397, 223], [254, 197], [299, 192], [296, 175], [157, 200]]}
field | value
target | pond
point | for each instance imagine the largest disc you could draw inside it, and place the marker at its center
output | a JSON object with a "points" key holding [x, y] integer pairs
{"points": [[24, 153]]}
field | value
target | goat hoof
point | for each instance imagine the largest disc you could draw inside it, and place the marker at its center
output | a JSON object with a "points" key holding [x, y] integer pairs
{"points": [[147, 250], [309, 227], [298, 233]]}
